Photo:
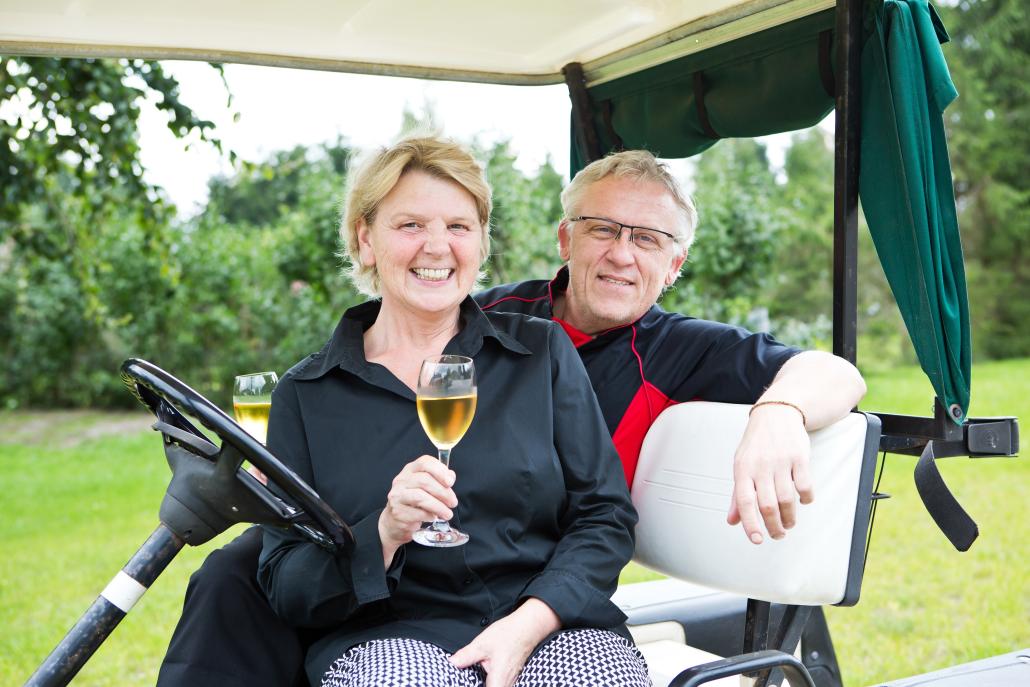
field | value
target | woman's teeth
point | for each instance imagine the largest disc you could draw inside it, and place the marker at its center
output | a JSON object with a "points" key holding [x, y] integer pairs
{"points": [[431, 274]]}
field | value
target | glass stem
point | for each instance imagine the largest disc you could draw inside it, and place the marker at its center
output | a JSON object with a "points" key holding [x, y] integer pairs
{"points": [[444, 454]]}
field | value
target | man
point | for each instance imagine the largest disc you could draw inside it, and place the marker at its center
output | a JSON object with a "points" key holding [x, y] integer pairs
{"points": [[625, 236]]}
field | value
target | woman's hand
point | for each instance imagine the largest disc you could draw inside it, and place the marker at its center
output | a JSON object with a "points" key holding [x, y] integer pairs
{"points": [[420, 492], [503, 648]]}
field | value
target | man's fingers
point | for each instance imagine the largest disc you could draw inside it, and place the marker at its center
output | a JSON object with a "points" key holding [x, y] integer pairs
{"points": [[803, 481], [733, 515], [785, 500], [769, 507], [747, 510]]}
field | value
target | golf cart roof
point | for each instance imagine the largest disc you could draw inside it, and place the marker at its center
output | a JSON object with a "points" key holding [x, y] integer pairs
{"points": [[467, 40]]}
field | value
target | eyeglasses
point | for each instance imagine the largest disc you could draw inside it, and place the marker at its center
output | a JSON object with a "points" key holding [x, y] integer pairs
{"points": [[644, 238]]}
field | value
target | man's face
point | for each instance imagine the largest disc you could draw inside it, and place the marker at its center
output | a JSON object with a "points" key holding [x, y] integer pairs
{"points": [[613, 283]]}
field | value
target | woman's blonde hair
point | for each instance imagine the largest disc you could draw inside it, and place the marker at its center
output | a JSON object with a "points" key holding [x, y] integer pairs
{"points": [[372, 179], [638, 165]]}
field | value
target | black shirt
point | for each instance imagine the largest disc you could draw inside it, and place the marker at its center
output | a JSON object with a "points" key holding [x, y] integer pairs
{"points": [[539, 488], [661, 359]]}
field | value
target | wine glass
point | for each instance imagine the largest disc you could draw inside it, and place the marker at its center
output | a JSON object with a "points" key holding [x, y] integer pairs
{"points": [[251, 402], [446, 400]]}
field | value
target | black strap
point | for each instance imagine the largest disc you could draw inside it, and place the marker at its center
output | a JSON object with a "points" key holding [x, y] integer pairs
{"points": [[582, 112], [702, 111], [606, 114], [943, 507], [826, 64]]}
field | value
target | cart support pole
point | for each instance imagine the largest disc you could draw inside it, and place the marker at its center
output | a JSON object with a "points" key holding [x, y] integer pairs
{"points": [[107, 611], [848, 108]]}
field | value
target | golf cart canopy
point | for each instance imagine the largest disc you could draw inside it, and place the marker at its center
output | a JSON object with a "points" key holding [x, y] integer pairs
{"points": [[510, 43]]}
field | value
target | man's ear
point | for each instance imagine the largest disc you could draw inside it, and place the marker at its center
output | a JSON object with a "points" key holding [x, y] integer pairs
{"points": [[367, 257], [564, 240], [674, 269]]}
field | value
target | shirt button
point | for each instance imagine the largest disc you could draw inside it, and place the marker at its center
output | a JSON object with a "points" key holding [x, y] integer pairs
{"points": [[484, 622], [467, 581]]}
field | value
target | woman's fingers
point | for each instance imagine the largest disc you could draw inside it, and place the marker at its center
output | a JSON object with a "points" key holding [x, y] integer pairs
{"points": [[430, 484], [421, 492]]}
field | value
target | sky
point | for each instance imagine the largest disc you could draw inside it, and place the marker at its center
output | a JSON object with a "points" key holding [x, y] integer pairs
{"points": [[280, 108]]}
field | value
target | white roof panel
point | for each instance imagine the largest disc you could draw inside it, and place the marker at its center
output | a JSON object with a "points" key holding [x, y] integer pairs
{"points": [[502, 42]]}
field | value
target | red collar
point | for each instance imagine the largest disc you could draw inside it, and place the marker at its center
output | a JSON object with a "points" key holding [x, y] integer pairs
{"points": [[578, 337]]}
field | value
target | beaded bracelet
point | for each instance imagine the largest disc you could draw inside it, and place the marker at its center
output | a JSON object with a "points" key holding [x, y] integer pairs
{"points": [[804, 420]]}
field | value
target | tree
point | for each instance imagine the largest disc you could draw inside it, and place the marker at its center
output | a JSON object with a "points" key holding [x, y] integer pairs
{"points": [[801, 303], [989, 135], [729, 266], [71, 127], [72, 198], [526, 213]]}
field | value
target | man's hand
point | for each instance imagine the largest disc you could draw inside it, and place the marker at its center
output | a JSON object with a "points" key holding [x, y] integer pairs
{"points": [[770, 469], [420, 492], [503, 648], [770, 472]]}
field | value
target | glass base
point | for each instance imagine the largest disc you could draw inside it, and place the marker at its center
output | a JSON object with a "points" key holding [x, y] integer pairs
{"points": [[441, 538]]}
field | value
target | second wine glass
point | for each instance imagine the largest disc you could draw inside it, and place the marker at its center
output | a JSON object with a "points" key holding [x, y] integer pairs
{"points": [[446, 400], [252, 400]]}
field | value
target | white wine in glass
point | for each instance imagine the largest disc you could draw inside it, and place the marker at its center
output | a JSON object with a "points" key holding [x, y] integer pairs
{"points": [[251, 403], [446, 401]]}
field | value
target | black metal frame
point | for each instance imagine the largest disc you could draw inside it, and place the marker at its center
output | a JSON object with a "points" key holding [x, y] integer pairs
{"points": [[746, 664], [847, 129], [901, 433]]}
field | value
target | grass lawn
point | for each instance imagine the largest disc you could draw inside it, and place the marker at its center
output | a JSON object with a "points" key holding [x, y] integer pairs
{"points": [[77, 502]]}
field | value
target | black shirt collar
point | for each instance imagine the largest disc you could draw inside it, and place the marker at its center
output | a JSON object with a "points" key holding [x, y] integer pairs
{"points": [[346, 347]]}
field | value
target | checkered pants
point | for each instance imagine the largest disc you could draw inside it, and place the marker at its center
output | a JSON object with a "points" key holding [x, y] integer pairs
{"points": [[575, 658]]}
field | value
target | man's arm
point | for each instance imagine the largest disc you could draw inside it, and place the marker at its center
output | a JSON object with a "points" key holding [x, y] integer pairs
{"points": [[770, 469]]}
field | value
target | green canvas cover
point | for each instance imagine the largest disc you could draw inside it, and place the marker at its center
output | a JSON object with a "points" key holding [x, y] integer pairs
{"points": [[781, 80], [777, 80], [907, 195]]}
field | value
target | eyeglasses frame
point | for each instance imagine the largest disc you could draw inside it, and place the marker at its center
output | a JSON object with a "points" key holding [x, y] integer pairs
{"points": [[622, 227]]}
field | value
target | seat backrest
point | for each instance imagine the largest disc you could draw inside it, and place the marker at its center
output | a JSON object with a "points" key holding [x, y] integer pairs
{"points": [[682, 490]]}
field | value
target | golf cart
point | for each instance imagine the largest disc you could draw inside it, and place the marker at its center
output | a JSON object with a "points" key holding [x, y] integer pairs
{"points": [[675, 79]]}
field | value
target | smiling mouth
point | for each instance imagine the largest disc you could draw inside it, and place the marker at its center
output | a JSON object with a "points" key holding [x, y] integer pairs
{"points": [[616, 281], [436, 274]]}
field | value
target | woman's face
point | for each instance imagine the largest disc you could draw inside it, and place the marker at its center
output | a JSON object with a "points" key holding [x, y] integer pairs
{"points": [[426, 244]]}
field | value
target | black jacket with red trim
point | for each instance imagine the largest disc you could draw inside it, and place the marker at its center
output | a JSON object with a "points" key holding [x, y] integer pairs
{"points": [[661, 359]]}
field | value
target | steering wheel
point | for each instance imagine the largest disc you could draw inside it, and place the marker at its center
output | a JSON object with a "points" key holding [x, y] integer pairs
{"points": [[296, 505]]}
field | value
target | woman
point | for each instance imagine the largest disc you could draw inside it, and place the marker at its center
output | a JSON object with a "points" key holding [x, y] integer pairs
{"points": [[536, 482]]}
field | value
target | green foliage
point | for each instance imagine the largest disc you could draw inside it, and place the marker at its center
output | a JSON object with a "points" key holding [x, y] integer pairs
{"points": [[253, 283], [729, 265], [989, 134], [71, 128], [526, 213]]}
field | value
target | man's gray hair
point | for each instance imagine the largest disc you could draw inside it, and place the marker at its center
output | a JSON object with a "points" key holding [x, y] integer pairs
{"points": [[638, 165]]}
